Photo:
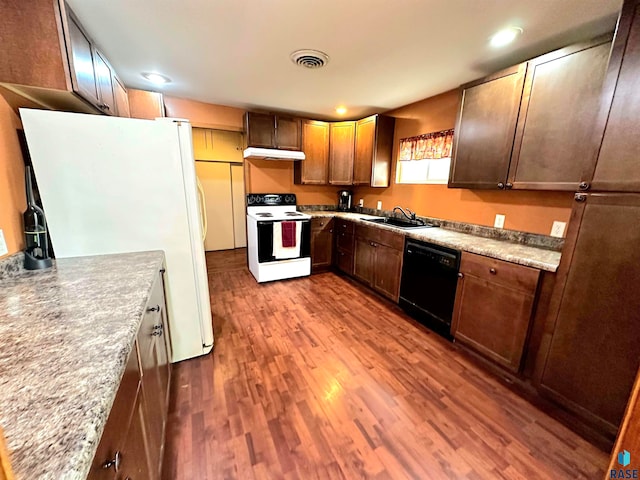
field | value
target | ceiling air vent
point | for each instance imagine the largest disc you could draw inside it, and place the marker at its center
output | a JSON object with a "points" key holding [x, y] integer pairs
{"points": [[310, 58]]}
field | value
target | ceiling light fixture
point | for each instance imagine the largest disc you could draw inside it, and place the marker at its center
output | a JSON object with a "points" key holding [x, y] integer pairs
{"points": [[341, 110], [156, 78], [504, 37]]}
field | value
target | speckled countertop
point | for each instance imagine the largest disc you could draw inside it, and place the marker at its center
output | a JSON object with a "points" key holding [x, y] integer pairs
{"points": [[511, 252], [65, 336]]}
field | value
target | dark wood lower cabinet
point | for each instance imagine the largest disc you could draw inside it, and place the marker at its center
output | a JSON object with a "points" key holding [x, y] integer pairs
{"points": [[594, 316], [344, 239], [493, 309], [133, 438], [321, 244], [378, 260]]}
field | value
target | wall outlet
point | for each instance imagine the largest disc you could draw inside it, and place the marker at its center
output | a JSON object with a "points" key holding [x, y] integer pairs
{"points": [[557, 230], [3, 245], [361, 202], [499, 221], [379, 207]]}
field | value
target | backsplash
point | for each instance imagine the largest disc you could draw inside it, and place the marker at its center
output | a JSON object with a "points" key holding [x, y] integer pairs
{"points": [[523, 238]]}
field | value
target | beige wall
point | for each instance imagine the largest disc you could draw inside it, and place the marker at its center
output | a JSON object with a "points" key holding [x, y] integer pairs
{"points": [[527, 211]]}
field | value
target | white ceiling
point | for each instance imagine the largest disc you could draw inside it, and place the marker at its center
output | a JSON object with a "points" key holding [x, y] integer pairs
{"points": [[383, 53]]}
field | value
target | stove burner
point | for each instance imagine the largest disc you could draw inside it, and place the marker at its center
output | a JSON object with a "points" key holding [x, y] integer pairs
{"points": [[293, 214], [264, 214]]}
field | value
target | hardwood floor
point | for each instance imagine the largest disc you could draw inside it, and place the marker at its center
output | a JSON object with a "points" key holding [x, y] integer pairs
{"points": [[318, 378]]}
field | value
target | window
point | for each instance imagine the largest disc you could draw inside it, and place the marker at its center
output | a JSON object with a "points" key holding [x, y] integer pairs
{"points": [[423, 171], [425, 158]]}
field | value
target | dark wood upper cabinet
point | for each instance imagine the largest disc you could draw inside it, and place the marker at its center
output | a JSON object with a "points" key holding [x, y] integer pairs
{"points": [[593, 323], [314, 169], [82, 62], [260, 129], [532, 126], [341, 152], [494, 307], [373, 151], [49, 59], [615, 166], [121, 98], [554, 135], [266, 130], [104, 82], [288, 133], [485, 130]]}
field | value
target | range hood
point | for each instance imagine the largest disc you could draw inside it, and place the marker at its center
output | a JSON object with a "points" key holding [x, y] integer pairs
{"points": [[273, 154]]}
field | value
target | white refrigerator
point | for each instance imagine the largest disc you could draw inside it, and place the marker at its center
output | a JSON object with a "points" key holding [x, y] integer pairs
{"points": [[114, 185]]}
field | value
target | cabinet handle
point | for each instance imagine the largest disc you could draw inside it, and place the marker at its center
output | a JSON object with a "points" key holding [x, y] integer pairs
{"points": [[154, 309], [157, 327], [115, 463], [501, 186], [331, 231], [493, 271], [580, 197], [583, 186], [156, 333], [460, 275], [509, 186]]}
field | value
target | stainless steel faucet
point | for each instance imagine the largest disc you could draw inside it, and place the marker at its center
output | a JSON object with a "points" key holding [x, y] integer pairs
{"points": [[410, 215]]}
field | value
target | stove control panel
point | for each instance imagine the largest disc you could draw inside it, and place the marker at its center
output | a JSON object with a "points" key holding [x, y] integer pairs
{"points": [[270, 199]]}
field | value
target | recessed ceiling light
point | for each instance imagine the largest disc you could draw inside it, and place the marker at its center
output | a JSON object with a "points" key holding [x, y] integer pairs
{"points": [[341, 110], [156, 78], [504, 37]]}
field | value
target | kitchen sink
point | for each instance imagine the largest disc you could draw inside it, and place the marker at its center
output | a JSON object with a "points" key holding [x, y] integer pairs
{"points": [[397, 222]]}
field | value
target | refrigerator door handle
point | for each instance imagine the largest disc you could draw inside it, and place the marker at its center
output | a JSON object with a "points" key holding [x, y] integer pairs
{"points": [[203, 209]]}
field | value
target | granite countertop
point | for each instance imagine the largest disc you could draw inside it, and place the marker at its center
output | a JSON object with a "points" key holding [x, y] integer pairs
{"points": [[529, 256], [65, 336]]}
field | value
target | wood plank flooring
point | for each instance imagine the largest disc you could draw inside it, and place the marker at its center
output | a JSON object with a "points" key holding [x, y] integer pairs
{"points": [[318, 378]]}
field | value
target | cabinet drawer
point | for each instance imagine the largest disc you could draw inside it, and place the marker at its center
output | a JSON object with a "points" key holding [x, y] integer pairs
{"points": [[501, 272], [344, 226], [321, 223], [378, 235]]}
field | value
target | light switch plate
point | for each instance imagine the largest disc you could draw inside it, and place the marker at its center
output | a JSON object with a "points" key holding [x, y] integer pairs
{"points": [[379, 207], [499, 222], [3, 245], [557, 230], [361, 202]]}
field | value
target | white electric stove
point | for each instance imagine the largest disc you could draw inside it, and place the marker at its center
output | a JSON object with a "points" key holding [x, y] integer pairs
{"points": [[264, 210]]}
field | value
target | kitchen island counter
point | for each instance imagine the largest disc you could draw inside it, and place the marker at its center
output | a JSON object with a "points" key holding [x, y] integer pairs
{"points": [[65, 336]]}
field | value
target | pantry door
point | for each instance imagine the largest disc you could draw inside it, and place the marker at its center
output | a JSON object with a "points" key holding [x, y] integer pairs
{"points": [[215, 178]]}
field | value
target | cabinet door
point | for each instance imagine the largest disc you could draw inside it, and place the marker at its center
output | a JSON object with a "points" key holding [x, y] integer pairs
{"points": [[341, 153], [135, 453], [288, 133], [364, 152], [554, 137], [594, 314], [314, 169], [146, 105], [217, 145], [617, 167], [260, 129], [112, 442], [104, 77], [121, 97], [485, 130], [82, 62], [364, 260], [344, 261], [388, 268], [493, 318], [321, 243]]}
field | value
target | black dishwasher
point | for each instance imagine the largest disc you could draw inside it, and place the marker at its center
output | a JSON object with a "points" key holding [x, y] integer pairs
{"points": [[428, 285]]}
